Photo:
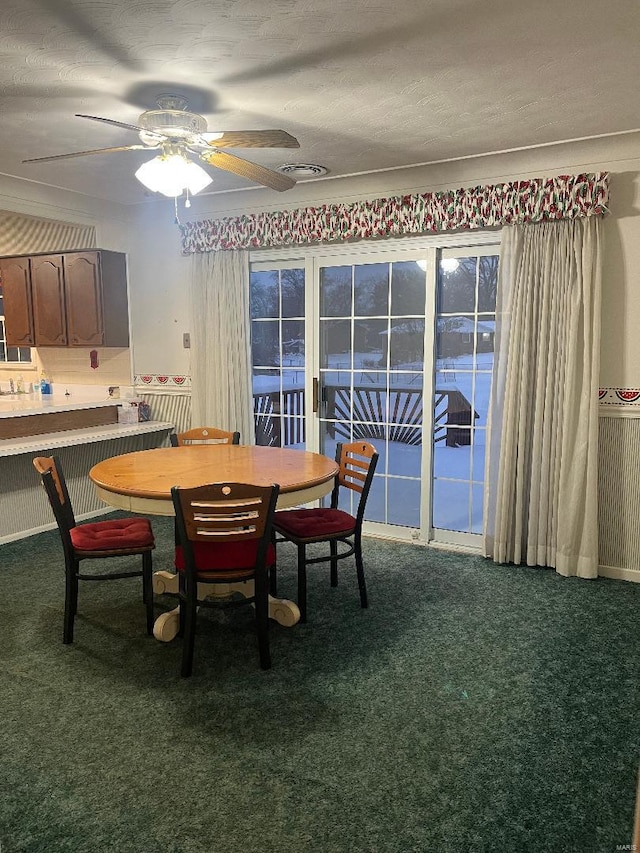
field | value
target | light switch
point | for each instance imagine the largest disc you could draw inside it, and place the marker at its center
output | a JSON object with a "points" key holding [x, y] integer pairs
{"points": [[186, 340]]}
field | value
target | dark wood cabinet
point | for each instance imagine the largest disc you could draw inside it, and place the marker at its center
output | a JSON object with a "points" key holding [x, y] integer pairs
{"points": [[18, 308], [47, 293], [75, 299]]}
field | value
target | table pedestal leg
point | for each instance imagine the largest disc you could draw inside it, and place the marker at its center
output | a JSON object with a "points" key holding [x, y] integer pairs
{"points": [[166, 627]]}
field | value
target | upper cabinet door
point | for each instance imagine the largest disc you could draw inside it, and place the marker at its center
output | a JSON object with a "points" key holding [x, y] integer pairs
{"points": [[47, 283], [18, 311], [84, 299]]}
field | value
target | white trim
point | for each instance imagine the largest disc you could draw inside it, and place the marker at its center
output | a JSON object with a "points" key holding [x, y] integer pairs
{"points": [[402, 245], [24, 534], [621, 411], [620, 574]]}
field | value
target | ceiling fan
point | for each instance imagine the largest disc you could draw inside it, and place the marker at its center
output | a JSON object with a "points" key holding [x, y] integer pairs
{"points": [[177, 133]]}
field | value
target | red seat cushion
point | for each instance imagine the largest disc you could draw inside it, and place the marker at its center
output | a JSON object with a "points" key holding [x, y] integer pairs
{"points": [[118, 534], [314, 523], [224, 556]]}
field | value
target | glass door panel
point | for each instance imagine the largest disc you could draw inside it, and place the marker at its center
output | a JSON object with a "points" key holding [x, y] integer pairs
{"points": [[277, 303], [464, 344], [371, 375]]}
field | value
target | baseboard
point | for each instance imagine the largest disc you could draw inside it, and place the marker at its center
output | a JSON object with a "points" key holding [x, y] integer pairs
{"points": [[619, 574], [24, 534]]}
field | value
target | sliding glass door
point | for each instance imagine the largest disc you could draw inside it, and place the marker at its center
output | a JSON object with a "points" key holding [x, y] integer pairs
{"points": [[371, 363], [392, 346]]}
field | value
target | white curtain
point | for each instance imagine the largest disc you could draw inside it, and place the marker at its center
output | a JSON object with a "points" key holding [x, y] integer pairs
{"points": [[541, 495], [221, 394]]}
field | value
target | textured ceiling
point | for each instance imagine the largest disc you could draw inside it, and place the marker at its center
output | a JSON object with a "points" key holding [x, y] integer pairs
{"points": [[363, 85]]}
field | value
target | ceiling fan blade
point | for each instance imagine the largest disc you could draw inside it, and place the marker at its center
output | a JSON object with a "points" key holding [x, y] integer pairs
{"points": [[112, 121], [251, 139], [252, 171], [94, 151]]}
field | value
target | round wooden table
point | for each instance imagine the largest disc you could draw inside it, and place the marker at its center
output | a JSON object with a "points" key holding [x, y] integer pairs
{"points": [[141, 482]]}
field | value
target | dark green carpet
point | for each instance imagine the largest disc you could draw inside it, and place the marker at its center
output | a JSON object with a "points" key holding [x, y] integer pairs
{"points": [[471, 708]]}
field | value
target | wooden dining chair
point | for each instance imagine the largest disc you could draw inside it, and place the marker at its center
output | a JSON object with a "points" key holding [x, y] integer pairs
{"points": [[204, 435], [332, 525], [224, 536], [118, 537]]}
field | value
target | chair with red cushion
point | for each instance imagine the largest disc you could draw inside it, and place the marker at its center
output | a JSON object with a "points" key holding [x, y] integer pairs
{"points": [[204, 435], [119, 537], [224, 536], [330, 524]]}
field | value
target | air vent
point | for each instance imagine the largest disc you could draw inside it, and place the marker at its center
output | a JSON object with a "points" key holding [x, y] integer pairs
{"points": [[303, 170]]}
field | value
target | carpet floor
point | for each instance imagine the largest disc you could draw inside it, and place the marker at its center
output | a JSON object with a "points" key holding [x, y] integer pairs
{"points": [[472, 707]]}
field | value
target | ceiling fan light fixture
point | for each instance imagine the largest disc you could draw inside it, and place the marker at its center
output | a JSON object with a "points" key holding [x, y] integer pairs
{"points": [[171, 174]]}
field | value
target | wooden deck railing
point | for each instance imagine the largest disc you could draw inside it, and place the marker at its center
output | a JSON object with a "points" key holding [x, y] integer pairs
{"points": [[362, 413]]}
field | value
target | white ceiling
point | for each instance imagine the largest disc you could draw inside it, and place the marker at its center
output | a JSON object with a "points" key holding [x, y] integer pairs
{"points": [[362, 84]]}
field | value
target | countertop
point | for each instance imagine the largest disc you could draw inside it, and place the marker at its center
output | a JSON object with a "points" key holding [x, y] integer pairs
{"points": [[17, 405]]}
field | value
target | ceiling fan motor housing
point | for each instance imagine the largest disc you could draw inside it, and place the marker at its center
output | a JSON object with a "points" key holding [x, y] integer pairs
{"points": [[176, 123]]}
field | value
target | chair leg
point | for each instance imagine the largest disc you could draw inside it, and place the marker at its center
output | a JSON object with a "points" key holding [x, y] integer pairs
{"points": [[261, 600], [147, 588], [333, 546], [273, 572], [360, 570], [302, 583], [70, 601], [189, 629]]}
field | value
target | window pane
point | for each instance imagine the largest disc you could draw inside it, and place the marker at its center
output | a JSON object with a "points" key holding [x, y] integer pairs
{"points": [[481, 397], [406, 347], [292, 286], [335, 343], [12, 353], [454, 462], [487, 282], [479, 451], [404, 502], [451, 505], [292, 342], [371, 289], [335, 291], [370, 337], [404, 459], [405, 406], [455, 339], [408, 288], [485, 341], [457, 285], [25, 353], [375, 509], [266, 381], [264, 293], [265, 342], [477, 494]]}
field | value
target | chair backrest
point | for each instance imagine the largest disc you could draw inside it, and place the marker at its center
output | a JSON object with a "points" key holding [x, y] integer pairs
{"points": [[55, 486], [204, 435], [225, 512], [357, 461]]}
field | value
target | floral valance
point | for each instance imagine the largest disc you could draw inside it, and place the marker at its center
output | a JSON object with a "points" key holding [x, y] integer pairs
{"points": [[533, 200]]}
